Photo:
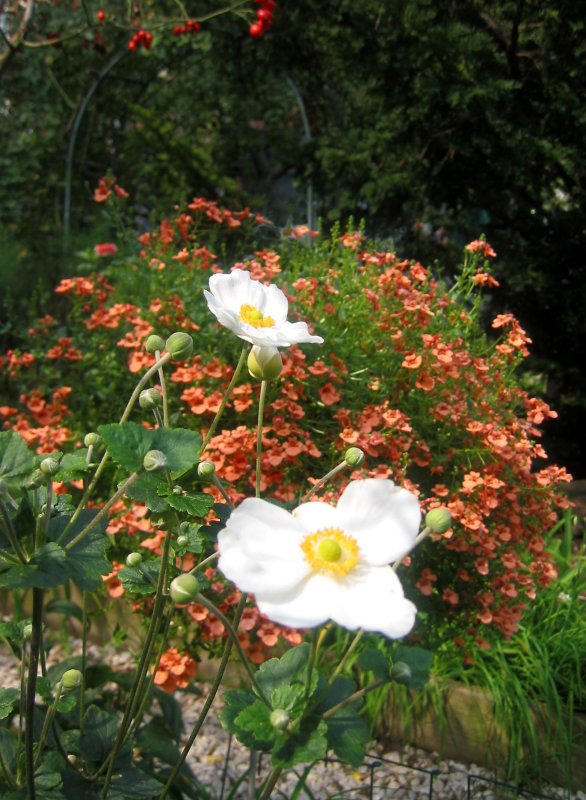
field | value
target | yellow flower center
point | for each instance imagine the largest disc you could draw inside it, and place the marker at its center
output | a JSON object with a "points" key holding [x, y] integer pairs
{"points": [[330, 551], [254, 316]]}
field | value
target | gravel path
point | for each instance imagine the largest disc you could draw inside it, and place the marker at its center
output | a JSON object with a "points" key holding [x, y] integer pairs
{"points": [[405, 774]]}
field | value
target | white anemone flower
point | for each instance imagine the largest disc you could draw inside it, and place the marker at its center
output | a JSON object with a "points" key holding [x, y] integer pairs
{"points": [[324, 562], [255, 312]]}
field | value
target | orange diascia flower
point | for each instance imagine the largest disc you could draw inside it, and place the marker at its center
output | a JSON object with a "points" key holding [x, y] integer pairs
{"points": [[174, 670]]}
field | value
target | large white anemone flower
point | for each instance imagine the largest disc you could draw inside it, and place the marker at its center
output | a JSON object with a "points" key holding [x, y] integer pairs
{"points": [[255, 312], [323, 562]]}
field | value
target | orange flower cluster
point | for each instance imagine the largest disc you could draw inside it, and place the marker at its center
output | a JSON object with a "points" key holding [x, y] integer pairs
{"points": [[174, 670], [38, 423]]}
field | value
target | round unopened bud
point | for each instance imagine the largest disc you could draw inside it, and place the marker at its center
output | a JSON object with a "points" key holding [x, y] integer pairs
{"points": [[401, 673], [154, 461], [91, 439], [133, 559], [182, 541], [180, 345], [264, 363], [439, 520], [150, 398], [354, 457], [70, 680], [154, 343], [184, 588], [279, 719], [49, 466], [37, 479], [27, 631], [206, 470]]}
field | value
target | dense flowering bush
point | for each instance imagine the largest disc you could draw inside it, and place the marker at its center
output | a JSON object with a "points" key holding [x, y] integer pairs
{"points": [[406, 373]]}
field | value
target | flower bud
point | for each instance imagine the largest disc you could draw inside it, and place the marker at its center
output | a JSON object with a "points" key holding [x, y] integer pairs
{"points": [[27, 631], [184, 588], [206, 470], [439, 520], [265, 363], [91, 439], [279, 719], [133, 559], [49, 466], [154, 461], [182, 541], [401, 673], [150, 398], [37, 479], [180, 345], [70, 680], [354, 457], [154, 343]]}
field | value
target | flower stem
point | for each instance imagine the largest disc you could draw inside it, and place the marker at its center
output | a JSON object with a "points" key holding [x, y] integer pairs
{"points": [[420, 537], [225, 399], [261, 410], [323, 481], [353, 698], [164, 394], [33, 667], [353, 645], [270, 783]]}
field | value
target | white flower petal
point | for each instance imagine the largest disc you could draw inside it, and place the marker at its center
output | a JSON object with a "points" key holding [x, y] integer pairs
{"points": [[315, 516], [309, 603], [383, 518], [374, 601]]}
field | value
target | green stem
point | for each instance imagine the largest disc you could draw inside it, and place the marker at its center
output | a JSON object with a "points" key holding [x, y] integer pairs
{"points": [[101, 513], [225, 399], [84, 633], [8, 776], [208, 703], [164, 395], [420, 537], [353, 698], [234, 636], [29, 741], [353, 645], [323, 481], [220, 486], [261, 409], [270, 783], [47, 723]]}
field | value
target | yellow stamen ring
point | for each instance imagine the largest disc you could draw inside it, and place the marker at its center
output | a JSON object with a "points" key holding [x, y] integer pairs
{"points": [[330, 551], [254, 316]]}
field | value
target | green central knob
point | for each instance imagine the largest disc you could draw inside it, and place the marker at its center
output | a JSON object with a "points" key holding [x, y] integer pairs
{"points": [[329, 550], [255, 314]]}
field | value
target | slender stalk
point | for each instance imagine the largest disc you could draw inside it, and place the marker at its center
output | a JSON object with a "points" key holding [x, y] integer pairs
{"points": [[352, 699], [208, 703], [47, 723], [323, 481], [164, 395], [353, 645], [261, 409], [270, 783], [420, 537], [84, 633], [29, 743], [220, 486], [225, 399], [252, 766]]}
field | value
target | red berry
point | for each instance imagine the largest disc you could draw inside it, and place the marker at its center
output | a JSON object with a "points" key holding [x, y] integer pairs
{"points": [[101, 15], [264, 16], [132, 45], [256, 29]]}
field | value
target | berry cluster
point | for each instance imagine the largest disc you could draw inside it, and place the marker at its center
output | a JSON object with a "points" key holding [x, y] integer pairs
{"points": [[264, 18], [191, 26], [141, 38]]}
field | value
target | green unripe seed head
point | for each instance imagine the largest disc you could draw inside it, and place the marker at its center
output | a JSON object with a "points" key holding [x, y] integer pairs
{"points": [[150, 398], [279, 719], [179, 345], [154, 343], [329, 550], [91, 439], [49, 466], [154, 461], [133, 559], [401, 673], [354, 457], [265, 363], [439, 520], [184, 588], [70, 680]]}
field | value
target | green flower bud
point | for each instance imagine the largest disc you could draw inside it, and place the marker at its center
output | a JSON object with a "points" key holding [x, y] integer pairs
{"points": [[182, 541], [206, 470], [154, 461], [150, 398], [279, 719], [70, 680], [91, 439], [439, 520], [180, 345], [184, 588], [154, 343], [265, 363], [401, 673], [133, 559], [354, 457], [49, 466], [36, 479], [27, 631]]}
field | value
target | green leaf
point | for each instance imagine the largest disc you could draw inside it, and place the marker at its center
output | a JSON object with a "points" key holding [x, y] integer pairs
{"points": [[127, 443], [283, 671], [8, 748], [130, 782], [67, 608], [86, 561], [418, 659], [347, 736], [309, 743], [155, 740], [145, 490], [237, 700], [375, 661], [181, 446], [73, 466], [289, 698], [46, 570], [16, 460], [142, 579], [196, 505], [8, 698], [255, 719], [99, 733], [68, 702]]}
